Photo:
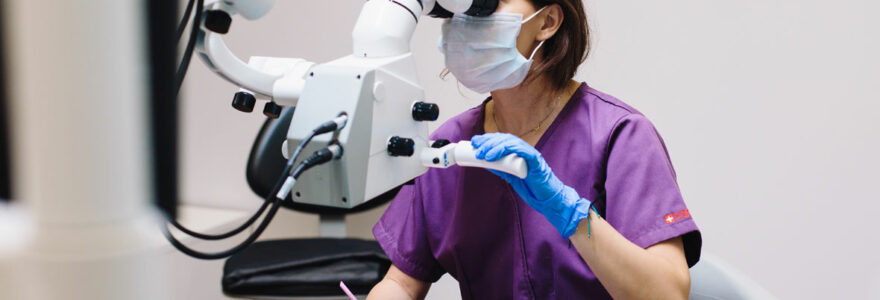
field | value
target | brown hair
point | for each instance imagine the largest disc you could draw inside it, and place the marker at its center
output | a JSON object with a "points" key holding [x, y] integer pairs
{"points": [[562, 53]]}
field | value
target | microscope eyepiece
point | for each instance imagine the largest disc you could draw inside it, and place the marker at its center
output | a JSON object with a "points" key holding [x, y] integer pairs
{"points": [[476, 8]]}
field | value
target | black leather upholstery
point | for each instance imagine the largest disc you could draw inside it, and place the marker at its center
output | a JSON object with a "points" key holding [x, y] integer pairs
{"points": [[305, 267]]}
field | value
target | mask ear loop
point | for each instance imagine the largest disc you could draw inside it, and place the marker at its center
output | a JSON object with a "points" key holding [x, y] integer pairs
{"points": [[536, 50], [533, 15], [529, 19]]}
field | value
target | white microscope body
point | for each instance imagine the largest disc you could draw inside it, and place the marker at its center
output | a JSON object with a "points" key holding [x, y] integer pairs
{"points": [[377, 86]]}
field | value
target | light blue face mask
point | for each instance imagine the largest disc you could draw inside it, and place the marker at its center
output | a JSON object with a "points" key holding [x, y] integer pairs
{"points": [[481, 51]]}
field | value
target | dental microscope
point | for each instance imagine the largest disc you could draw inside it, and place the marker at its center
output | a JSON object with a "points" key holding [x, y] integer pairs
{"points": [[386, 141]]}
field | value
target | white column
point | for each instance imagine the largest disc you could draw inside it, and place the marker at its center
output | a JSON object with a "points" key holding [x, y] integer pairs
{"points": [[79, 75]]}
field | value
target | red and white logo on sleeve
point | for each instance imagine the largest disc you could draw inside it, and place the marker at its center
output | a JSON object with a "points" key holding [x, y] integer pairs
{"points": [[677, 216]]}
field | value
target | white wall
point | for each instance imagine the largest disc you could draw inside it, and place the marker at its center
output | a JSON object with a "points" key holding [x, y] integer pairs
{"points": [[769, 111], [767, 108]]}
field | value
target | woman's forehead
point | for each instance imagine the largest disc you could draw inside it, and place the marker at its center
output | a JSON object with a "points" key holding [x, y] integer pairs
{"points": [[523, 7]]}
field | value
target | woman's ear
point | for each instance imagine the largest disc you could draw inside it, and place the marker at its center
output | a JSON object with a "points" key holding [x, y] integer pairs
{"points": [[552, 22]]}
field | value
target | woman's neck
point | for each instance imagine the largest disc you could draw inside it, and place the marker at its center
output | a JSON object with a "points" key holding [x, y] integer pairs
{"points": [[521, 109]]}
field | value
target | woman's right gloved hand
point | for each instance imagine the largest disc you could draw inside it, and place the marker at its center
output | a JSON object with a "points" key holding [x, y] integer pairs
{"points": [[541, 189]]}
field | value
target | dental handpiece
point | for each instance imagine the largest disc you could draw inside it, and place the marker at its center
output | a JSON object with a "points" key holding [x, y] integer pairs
{"points": [[464, 154]]}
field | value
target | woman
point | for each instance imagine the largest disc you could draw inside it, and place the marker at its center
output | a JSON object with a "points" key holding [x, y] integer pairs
{"points": [[599, 215]]}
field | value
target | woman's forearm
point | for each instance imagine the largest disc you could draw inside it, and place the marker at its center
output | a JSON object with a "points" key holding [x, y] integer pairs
{"points": [[628, 271], [388, 289], [398, 286]]}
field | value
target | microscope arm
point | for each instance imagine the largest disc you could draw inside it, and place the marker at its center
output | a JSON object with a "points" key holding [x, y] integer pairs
{"points": [[383, 30], [217, 56], [279, 79]]}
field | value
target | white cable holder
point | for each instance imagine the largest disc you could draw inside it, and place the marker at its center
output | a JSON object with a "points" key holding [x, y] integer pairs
{"points": [[286, 187], [336, 150], [332, 152], [341, 120]]}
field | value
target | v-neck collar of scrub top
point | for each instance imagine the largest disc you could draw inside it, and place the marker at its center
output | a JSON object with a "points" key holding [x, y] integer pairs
{"points": [[480, 128]]}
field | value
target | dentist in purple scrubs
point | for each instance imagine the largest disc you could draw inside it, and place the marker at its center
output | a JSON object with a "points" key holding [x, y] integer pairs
{"points": [[599, 214]]}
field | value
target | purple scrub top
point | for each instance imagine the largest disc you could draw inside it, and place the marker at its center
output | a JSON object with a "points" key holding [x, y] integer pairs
{"points": [[472, 224]]}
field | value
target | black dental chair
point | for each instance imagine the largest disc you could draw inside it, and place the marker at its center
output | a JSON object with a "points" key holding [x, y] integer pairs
{"points": [[308, 268]]}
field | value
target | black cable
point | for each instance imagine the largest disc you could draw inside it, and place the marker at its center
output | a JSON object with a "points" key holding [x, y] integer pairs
{"points": [[190, 44], [185, 19], [320, 157], [329, 126], [224, 235], [255, 216], [326, 127], [218, 255]]}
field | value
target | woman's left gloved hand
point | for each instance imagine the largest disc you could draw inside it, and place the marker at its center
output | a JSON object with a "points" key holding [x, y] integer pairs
{"points": [[541, 190]]}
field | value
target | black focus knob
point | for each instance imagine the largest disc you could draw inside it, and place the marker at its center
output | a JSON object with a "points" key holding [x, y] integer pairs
{"points": [[272, 110], [217, 21], [440, 143], [244, 101], [399, 146], [422, 111]]}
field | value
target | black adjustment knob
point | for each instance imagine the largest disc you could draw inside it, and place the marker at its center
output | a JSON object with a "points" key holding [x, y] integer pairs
{"points": [[422, 111], [482, 8], [272, 110], [217, 21], [399, 146], [440, 143], [244, 101], [440, 12]]}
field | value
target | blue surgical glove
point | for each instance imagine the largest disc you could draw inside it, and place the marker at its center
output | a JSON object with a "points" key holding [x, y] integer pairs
{"points": [[541, 190]]}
